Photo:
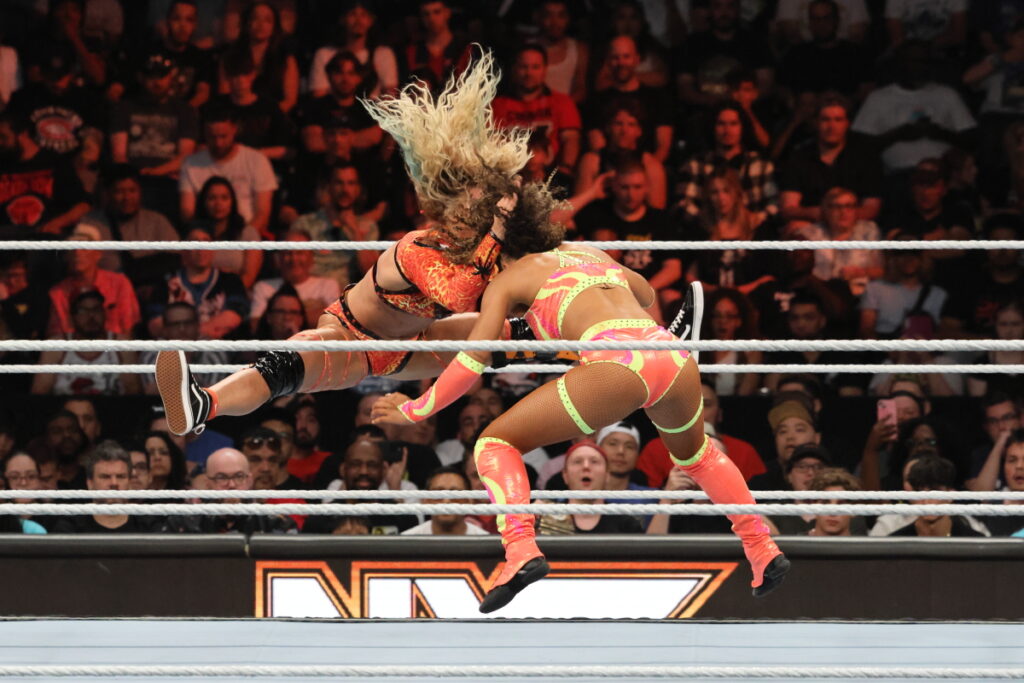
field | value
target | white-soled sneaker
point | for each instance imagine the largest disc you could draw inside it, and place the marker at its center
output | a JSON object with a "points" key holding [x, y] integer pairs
{"points": [[186, 404], [687, 322]]}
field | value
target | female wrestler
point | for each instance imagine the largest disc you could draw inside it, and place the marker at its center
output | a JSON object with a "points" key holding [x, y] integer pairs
{"points": [[572, 292], [464, 172]]}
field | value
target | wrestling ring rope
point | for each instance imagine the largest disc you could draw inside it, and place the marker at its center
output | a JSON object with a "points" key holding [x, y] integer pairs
{"points": [[960, 648]]}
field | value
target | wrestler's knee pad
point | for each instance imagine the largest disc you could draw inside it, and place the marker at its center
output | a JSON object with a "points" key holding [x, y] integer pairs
{"points": [[283, 371]]}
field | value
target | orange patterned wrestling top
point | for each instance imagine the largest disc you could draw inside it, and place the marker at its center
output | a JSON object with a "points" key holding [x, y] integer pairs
{"points": [[437, 287]]}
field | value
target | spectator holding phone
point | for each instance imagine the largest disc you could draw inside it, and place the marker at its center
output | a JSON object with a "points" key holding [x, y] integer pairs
{"points": [[901, 406]]}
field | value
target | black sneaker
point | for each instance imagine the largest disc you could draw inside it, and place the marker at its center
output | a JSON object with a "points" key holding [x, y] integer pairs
{"points": [[531, 572], [687, 322], [186, 404], [774, 573]]}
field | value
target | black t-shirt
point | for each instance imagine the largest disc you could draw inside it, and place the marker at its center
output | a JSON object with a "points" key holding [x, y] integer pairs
{"points": [[292, 483], [856, 168], [33, 192], [734, 268], [613, 524], [975, 299], [154, 128], [194, 66], [655, 225], [699, 524], [912, 222], [711, 60], [960, 529], [812, 68], [301, 187], [325, 110], [57, 118], [653, 105], [260, 124], [87, 524], [1004, 526]]}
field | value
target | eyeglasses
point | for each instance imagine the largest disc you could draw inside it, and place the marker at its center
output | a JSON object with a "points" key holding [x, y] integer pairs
{"points": [[1002, 419], [808, 466], [26, 476], [272, 442], [285, 436], [237, 477]]}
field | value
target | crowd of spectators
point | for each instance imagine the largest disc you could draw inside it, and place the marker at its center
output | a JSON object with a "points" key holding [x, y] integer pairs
{"points": [[658, 119]]}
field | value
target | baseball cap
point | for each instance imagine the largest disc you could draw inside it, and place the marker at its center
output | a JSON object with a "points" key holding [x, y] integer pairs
{"points": [[623, 427], [807, 451], [788, 409]]}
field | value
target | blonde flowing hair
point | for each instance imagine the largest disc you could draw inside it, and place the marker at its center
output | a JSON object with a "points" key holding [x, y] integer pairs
{"points": [[451, 143]]}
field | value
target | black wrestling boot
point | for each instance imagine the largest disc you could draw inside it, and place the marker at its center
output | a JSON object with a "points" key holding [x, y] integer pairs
{"points": [[531, 572], [774, 573]]}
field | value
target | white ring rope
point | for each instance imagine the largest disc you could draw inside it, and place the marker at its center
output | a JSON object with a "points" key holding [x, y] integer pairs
{"points": [[616, 245], [452, 345], [710, 369], [371, 509], [377, 494], [485, 671]]}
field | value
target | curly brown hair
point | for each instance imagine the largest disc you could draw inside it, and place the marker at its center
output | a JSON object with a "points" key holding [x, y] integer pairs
{"points": [[528, 226]]}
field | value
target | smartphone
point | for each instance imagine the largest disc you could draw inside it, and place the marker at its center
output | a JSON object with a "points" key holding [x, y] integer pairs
{"points": [[887, 411], [392, 450]]}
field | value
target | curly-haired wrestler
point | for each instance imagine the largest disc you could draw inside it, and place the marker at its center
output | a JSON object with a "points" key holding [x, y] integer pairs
{"points": [[573, 292], [464, 171]]}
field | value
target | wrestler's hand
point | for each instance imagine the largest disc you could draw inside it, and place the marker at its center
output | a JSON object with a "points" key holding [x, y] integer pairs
{"points": [[385, 410]]}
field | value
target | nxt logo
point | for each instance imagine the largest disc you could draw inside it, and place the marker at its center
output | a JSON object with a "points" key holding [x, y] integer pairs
{"points": [[453, 590]]}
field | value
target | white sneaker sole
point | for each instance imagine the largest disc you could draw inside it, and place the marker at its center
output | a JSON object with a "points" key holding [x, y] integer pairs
{"points": [[698, 315], [172, 383]]}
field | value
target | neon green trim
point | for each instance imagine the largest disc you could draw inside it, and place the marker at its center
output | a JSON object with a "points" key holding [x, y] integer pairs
{"points": [[428, 407], [586, 283], [700, 411], [689, 462], [617, 324], [567, 403], [482, 442], [470, 363]]}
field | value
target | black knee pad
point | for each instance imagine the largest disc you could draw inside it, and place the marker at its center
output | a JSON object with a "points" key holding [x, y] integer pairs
{"points": [[283, 371]]}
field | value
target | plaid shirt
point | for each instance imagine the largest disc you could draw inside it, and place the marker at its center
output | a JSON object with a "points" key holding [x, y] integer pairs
{"points": [[757, 177]]}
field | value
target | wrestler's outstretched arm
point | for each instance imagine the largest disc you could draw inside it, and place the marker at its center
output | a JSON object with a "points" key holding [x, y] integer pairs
{"points": [[460, 375]]}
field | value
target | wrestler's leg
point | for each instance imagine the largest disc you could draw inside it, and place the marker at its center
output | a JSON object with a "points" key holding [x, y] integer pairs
{"points": [[275, 373], [281, 373], [679, 418], [583, 400]]}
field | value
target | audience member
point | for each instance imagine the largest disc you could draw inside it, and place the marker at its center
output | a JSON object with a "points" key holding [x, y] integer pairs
{"points": [[180, 320], [916, 117], [167, 467], [831, 162], [528, 103], [792, 425], [108, 468], [364, 469], [733, 148], [438, 53], [217, 211], [125, 216], [262, 39], [1009, 326], [295, 266], [1008, 456], [340, 108], [804, 463], [932, 473], [446, 479], [356, 26], [798, 21], [267, 463], [568, 58], [825, 53], [39, 191], [707, 57], [840, 221], [836, 479], [626, 88], [219, 298], [85, 275], [730, 317], [228, 470], [1000, 419], [623, 133], [261, 123], [586, 469], [248, 171], [88, 320]]}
